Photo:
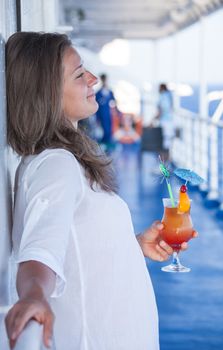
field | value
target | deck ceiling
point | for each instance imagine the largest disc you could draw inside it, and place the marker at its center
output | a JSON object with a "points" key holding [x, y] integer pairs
{"points": [[96, 22]]}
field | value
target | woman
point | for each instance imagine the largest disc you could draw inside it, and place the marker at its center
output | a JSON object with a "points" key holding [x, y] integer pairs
{"points": [[70, 229]]}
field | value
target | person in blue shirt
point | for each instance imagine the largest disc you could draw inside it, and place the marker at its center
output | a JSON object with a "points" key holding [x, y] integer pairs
{"points": [[105, 100]]}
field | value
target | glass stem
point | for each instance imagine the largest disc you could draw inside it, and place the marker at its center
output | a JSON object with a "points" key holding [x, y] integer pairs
{"points": [[176, 261]]}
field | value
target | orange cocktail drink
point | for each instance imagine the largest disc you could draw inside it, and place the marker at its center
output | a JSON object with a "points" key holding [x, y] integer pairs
{"points": [[178, 228]]}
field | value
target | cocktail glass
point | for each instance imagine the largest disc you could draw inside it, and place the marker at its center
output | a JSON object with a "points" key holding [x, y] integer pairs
{"points": [[178, 228]]}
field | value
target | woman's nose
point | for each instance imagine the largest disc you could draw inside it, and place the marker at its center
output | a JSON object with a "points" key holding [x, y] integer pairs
{"points": [[91, 79]]}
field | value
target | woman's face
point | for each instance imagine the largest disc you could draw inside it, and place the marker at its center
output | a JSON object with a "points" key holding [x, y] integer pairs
{"points": [[78, 101]]}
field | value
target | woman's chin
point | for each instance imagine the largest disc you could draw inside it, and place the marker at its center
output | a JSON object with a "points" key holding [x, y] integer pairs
{"points": [[94, 108]]}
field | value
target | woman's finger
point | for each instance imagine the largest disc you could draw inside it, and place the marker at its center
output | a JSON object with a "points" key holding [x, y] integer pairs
{"points": [[194, 234], [157, 225], [9, 320], [19, 323], [12, 343], [163, 254], [184, 246], [166, 247], [48, 330]]}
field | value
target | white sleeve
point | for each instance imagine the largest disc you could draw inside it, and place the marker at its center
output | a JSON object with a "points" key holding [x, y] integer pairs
{"points": [[53, 193]]}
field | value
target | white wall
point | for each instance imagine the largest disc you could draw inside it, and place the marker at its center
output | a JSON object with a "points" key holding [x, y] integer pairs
{"points": [[7, 26], [36, 15], [186, 45], [41, 15]]}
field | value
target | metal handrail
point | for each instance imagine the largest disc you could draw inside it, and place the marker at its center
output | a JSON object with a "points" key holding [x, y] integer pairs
{"points": [[192, 115], [201, 145]]}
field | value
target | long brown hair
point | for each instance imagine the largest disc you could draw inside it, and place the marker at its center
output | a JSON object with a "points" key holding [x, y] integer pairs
{"points": [[36, 122]]}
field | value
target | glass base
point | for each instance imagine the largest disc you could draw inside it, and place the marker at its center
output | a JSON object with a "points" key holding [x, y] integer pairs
{"points": [[175, 268]]}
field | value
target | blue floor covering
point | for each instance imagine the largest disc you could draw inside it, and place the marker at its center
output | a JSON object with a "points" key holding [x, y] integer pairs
{"points": [[190, 304]]}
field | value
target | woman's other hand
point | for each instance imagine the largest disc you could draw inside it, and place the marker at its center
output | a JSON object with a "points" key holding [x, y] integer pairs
{"points": [[153, 246], [25, 310], [35, 283]]}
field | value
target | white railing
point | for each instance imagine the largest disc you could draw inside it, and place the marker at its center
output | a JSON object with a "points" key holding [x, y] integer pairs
{"points": [[199, 147], [31, 337]]}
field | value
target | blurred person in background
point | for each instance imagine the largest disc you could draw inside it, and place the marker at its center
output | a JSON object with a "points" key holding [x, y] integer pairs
{"points": [[165, 117], [106, 100]]}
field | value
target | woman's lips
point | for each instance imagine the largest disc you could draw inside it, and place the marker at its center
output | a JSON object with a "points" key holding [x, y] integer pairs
{"points": [[91, 95]]}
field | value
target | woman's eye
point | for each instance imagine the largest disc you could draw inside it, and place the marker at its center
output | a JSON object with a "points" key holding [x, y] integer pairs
{"points": [[80, 75]]}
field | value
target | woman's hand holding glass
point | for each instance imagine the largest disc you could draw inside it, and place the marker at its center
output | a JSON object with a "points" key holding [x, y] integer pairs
{"points": [[154, 247]]}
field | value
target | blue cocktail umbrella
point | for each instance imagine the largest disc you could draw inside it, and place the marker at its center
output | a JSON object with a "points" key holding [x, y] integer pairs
{"points": [[189, 175]]}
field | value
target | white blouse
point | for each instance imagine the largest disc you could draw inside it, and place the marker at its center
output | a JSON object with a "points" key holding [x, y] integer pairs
{"points": [[103, 298]]}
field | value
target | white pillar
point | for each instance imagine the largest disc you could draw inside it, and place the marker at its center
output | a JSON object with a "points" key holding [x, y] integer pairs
{"points": [[175, 61], [50, 15], [178, 145], [7, 27], [203, 107], [41, 15], [155, 71], [152, 96]]}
